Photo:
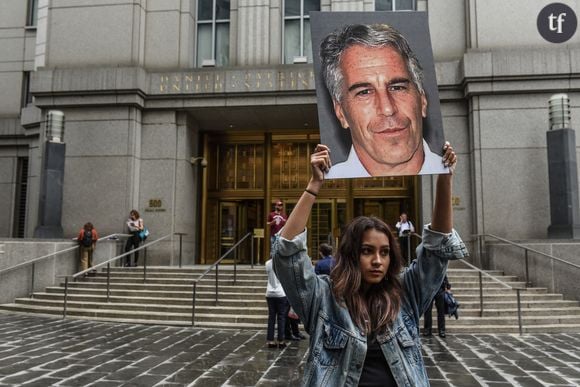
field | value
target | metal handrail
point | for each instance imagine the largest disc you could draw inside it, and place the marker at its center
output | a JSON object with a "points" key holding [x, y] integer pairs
{"points": [[216, 265], [108, 264], [481, 273], [526, 249], [34, 261]]}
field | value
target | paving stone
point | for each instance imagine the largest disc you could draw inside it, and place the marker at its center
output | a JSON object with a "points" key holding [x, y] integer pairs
{"points": [[42, 382], [167, 368], [185, 376], [548, 378], [144, 380], [84, 379], [22, 377], [243, 378]]}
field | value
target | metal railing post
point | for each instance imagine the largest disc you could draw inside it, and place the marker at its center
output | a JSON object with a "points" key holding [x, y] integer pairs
{"points": [[108, 281], [193, 304], [32, 281], [145, 265], [235, 261], [180, 248], [252, 253], [480, 294], [527, 270], [519, 311], [65, 297], [217, 267]]}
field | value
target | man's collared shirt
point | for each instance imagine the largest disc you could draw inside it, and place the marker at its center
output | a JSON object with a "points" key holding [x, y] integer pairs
{"points": [[352, 167]]}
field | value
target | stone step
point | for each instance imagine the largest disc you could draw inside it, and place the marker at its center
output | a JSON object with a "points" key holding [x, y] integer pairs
{"points": [[114, 314], [540, 312], [152, 293], [178, 281], [255, 283], [186, 301], [261, 275], [513, 320], [165, 286], [513, 329], [468, 308], [184, 285], [159, 307], [529, 303], [166, 298]]}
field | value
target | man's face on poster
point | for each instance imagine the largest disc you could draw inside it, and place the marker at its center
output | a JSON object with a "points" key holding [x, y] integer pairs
{"points": [[382, 107]]}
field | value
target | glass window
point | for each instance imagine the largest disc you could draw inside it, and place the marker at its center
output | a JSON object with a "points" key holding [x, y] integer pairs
{"points": [[32, 13], [297, 40], [395, 5], [290, 165], [26, 95], [213, 32], [240, 166]]}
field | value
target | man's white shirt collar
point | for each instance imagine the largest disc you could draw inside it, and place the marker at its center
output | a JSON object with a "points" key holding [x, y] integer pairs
{"points": [[352, 167]]}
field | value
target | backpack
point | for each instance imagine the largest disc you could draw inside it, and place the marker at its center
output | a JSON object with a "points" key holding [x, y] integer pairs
{"points": [[87, 240]]}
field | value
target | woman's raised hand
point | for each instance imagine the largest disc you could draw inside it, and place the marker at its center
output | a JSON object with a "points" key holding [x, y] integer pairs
{"points": [[320, 162], [449, 157]]}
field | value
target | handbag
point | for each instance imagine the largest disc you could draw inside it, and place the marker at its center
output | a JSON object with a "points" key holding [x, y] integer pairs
{"points": [[143, 234], [451, 305]]}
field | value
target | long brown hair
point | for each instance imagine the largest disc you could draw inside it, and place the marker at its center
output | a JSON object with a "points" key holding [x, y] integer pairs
{"points": [[374, 310]]}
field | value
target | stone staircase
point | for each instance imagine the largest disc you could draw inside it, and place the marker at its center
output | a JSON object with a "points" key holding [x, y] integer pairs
{"points": [[165, 298]]}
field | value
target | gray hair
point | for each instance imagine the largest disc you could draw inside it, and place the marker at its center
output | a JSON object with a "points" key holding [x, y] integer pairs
{"points": [[376, 36]]}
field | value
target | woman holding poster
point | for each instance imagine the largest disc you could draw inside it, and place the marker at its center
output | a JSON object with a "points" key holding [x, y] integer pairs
{"points": [[363, 318]]}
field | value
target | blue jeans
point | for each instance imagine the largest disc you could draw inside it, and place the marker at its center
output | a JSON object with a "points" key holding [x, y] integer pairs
{"points": [[278, 308]]}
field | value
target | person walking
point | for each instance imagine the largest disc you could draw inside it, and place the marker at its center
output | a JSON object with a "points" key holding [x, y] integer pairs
{"points": [[363, 319], [326, 261], [439, 301], [87, 240], [276, 220], [135, 226], [278, 308], [405, 228]]}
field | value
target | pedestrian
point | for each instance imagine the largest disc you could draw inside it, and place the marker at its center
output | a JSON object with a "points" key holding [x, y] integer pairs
{"points": [[363, 319], [135, 226], [439, 301], [87, 240], [326, 261], [405, 229], [277, 308], [276, 220]]}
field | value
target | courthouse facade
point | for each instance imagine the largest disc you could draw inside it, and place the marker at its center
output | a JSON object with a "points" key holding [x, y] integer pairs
{"points": [[200, 114]]}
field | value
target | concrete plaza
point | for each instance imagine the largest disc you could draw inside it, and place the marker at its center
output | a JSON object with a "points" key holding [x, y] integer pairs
{"points": [[44, 351]]}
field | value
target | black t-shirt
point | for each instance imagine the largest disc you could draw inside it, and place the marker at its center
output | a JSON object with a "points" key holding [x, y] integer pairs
{"points": [[376, 371]]}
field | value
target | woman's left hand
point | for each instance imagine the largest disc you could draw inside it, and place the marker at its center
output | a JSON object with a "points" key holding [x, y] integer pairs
{"points": [[449, 157]]}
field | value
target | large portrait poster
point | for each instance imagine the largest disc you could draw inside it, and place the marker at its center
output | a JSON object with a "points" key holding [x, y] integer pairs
{"points": [[378, 103]]}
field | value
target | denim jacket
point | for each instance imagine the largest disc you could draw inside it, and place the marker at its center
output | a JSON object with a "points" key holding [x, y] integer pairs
{"points": [[337, 346]]}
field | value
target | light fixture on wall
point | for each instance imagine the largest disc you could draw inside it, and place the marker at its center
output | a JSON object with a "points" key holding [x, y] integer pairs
{"points": [[199, 160], [559, 110], [55, 126], [300, 60]]}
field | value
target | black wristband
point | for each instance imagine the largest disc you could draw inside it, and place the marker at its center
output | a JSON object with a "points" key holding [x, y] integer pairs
{"points": [[310, 192]]}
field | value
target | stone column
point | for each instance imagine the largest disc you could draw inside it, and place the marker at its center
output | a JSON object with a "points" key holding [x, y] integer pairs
{"points": [[563, 174]]}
